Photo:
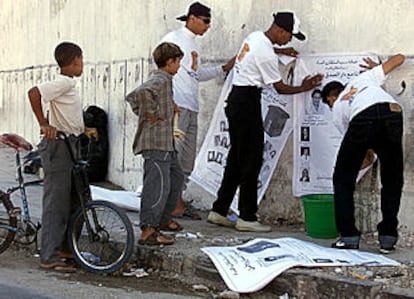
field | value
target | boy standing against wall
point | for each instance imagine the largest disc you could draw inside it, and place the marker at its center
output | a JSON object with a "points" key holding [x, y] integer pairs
{"points": [[65, 114], [154, 140]]}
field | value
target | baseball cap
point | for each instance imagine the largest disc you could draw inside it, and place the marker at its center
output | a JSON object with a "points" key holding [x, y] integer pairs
{"points": [[289, 22], [197, 9]]}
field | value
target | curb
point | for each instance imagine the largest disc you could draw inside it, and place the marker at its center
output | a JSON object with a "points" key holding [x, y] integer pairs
{"points": [[296, 282]]}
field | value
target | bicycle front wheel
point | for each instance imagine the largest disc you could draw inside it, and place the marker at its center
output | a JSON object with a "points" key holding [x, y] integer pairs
{"points": [[103, 240], [8, 222]]}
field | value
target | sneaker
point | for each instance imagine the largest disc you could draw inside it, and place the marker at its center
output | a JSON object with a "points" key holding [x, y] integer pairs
{"points": [[216, 218], [346, 243], [252, 226], [387, 243]]}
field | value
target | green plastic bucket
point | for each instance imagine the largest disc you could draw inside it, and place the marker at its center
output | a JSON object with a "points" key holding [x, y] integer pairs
{"points": [[320, 216]]}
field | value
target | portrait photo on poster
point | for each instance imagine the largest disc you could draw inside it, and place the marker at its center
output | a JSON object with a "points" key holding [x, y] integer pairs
{"points": [[304, 133], [305, 153], [314, 104], [305, 175]]}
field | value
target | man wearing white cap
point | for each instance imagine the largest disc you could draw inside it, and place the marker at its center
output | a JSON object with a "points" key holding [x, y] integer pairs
{"points": [[185, 85], [256, 67]]}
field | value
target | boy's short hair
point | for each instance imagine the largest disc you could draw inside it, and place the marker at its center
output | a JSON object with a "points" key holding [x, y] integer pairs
{"points": [[333, 88], [165, 51], [65, 53]]}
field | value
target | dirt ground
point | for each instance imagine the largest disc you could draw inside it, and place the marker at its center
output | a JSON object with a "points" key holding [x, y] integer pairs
{"points": [[25, 263]]}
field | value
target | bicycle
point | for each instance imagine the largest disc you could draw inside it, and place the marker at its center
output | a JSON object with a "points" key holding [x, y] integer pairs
{"points": [[100, 234], [13, 225]]}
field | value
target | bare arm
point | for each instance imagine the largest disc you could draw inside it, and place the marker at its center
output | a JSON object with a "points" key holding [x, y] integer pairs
{"points": [[36, 103], [229, 65], [388, 66], [392, 63], [310, 82], [287, 51]]}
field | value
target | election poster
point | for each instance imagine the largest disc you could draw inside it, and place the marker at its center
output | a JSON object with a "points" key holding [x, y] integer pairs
{"points": [[251, 266], [316, 139]]}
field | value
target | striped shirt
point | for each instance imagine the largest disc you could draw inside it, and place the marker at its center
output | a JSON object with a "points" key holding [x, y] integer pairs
{"points": [[153, 103]]}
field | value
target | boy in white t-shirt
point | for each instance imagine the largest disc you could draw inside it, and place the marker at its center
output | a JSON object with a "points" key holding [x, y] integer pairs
{"points": [[66, 115]]}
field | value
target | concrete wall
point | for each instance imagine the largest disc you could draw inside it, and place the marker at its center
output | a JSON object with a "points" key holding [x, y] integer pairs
{"points": [[117, 37]]}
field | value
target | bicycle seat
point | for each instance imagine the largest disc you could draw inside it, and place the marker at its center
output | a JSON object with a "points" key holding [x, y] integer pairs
{"points": [[15, 141]]}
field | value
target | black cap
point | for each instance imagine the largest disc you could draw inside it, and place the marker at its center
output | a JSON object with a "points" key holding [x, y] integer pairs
{"points": [[289, 22], [196, 9]]}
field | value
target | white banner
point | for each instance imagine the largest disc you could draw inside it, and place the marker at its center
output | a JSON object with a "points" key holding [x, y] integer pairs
{"points": [[249, 267], [316, 139], [277, 121]]}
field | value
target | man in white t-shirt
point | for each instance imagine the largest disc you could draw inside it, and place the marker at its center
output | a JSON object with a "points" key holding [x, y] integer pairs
{"points": [[185, 85], [369, 118], [256, 67]]}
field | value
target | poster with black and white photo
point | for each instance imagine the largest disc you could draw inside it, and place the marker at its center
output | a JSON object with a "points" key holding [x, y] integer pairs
{"points": [[316, 139], [250, 267]]}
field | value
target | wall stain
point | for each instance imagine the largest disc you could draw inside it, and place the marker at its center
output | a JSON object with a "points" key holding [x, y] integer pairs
{"points": [[56, 6]]}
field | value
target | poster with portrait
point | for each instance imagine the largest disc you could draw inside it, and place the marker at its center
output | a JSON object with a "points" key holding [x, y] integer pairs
{"points": [[211, 159], [251, 266], [316, 139]]}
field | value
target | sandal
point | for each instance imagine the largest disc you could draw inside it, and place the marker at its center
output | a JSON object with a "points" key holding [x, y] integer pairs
{"points": [[172, 226], [60, 267], [157, 238]]}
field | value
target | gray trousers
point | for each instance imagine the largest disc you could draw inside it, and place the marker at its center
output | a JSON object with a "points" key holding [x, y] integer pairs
{"points": [[163, 181], [186, 147], [59, 198]]}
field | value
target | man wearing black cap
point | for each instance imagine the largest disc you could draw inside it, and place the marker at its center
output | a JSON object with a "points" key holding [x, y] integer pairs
{"points": [[185, 85], [256, 67]]}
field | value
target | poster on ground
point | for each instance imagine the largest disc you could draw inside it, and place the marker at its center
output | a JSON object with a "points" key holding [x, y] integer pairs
{"points": [[250, 267]]}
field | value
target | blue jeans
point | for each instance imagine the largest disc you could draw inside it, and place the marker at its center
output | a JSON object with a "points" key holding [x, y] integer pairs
{"points": [[379, 127]]}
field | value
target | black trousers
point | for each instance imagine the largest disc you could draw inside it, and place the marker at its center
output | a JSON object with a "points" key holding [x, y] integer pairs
{"points": [[245, 157], [379, 128]]}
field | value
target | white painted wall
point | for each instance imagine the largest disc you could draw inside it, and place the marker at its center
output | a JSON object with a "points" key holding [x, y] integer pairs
{"points": [[117, 37]]}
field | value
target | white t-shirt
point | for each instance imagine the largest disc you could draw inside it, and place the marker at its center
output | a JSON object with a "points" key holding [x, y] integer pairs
{"points": [[257, 63], [191, 72], [65, 107], [363, 91]]}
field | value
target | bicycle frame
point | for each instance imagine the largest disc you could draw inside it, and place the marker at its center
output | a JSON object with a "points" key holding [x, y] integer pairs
{"points": [[82, 188], [22, 187], [26, 229]]}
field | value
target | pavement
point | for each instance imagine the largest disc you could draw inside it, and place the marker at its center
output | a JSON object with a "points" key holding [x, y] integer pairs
{"points": [[185, 260]]}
